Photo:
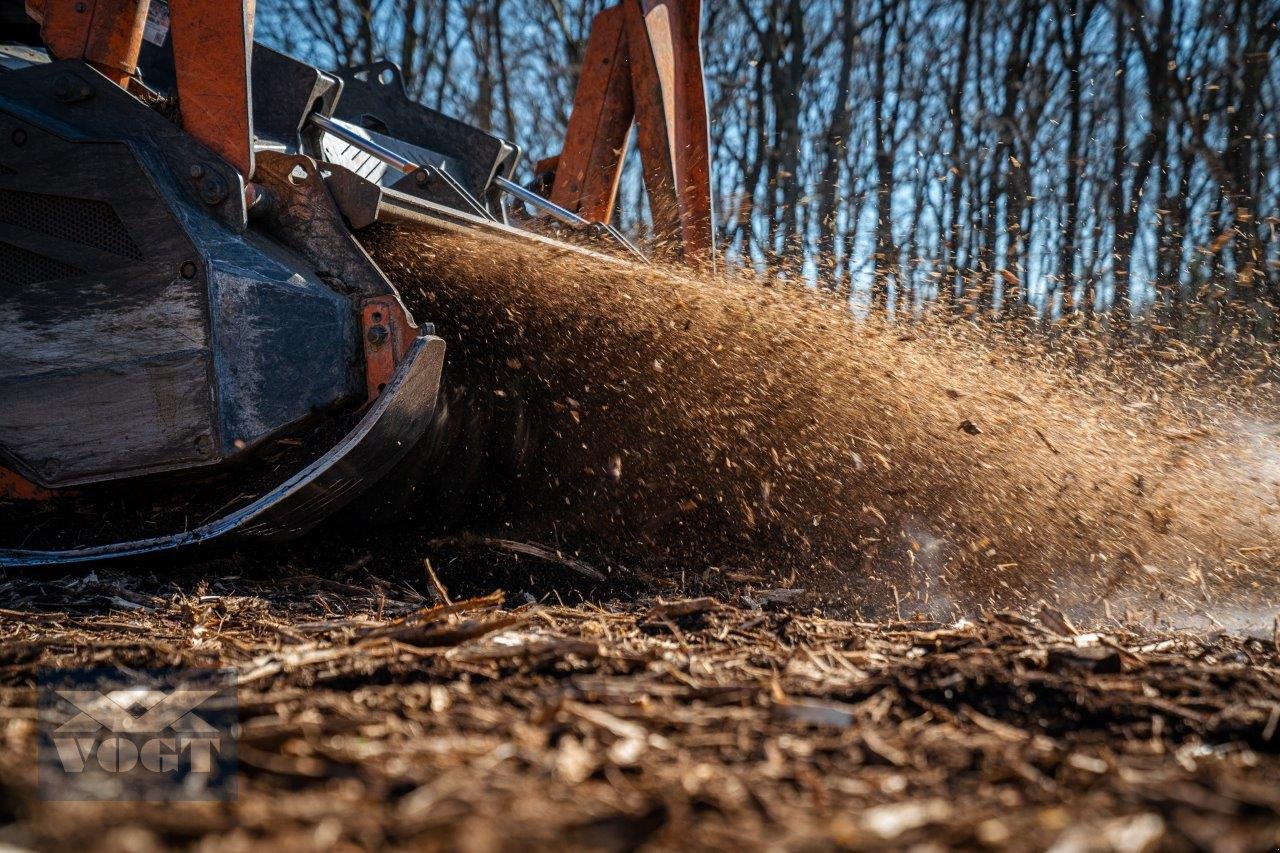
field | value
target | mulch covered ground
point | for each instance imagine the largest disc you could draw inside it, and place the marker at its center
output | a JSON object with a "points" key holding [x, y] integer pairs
{"points": [[376, 713]]}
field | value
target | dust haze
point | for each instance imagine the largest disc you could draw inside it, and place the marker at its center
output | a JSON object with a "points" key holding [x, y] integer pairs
{"points": [[686, 422]]}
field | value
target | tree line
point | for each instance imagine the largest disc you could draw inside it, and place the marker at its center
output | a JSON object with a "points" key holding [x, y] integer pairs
{"points": [[1108, 159]]}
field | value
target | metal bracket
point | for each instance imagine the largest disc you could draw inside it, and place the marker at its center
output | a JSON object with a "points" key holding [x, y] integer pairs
{"points": [[388, 333]]}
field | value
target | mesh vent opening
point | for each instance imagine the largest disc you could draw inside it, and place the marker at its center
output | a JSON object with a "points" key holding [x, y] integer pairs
{"points": [[20, 267], [78, 220]]}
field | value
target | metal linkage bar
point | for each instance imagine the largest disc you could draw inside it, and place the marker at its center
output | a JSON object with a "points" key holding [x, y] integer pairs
{"points": [[568, 217], [525, 194], [528, 196], [368, 146], [395, 161], [459, 190]]}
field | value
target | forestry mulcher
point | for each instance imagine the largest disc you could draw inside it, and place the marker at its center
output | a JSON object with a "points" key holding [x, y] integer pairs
{"points": [[194, 343]]}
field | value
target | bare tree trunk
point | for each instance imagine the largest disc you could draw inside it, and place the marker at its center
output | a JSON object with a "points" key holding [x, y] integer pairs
{"points": [[788, 85], [882, 174], [1075, 15], [956, 174], [1121, 239], [834, 145], [1009, 159]]}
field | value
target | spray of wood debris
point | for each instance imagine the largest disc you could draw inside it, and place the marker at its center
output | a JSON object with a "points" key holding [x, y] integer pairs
{"points": [[683, 422]]}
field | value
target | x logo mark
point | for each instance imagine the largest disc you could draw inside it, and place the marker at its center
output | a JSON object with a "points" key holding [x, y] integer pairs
{"points": [[162, 710]]}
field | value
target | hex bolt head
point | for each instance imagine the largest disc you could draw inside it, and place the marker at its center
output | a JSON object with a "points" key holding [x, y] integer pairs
{"points": [[212, 190], [188, 269], [421, 177], [377, 335], [68, 88]]}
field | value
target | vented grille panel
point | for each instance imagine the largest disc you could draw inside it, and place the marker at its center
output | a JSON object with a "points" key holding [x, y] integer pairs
{"points": [[78, 220], [20, 267]]}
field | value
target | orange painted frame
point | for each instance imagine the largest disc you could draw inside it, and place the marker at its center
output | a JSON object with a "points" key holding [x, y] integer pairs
{"points": [[105, 33], [644, 62], [595, 142], [212, 48]]}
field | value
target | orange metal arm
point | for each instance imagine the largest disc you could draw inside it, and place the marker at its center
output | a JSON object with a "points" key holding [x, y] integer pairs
{"points": [[671, 119], [643, 62], [212, 46], [105, 33], [595, 141]]}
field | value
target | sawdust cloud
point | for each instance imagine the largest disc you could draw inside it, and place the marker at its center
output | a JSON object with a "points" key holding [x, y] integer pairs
{"points": [[677, 424]]}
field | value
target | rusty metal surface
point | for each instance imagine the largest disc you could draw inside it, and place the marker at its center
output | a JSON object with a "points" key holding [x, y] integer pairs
{"points": [[388, 333], [643, 63], [595, 144], [212, 44], [105, 33], [386, 433], [665, 52], [15, 487], [307, 219]]}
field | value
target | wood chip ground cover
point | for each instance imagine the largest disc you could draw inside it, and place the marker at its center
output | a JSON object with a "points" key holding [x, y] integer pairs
{"points": [[374, 714]]}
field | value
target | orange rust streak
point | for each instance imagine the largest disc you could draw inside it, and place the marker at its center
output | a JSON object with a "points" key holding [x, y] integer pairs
{"points": [[590, 166], [212, 40]]}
